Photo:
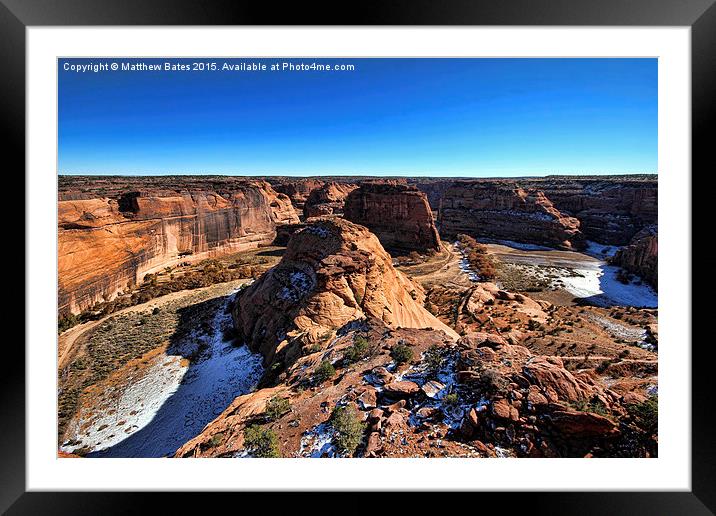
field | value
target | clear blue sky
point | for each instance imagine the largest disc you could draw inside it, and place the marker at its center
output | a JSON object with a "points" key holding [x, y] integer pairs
{"points": [[423, 117]]}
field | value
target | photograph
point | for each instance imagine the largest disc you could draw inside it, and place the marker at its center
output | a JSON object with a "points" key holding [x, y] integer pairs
{"points": [[423, 257]]}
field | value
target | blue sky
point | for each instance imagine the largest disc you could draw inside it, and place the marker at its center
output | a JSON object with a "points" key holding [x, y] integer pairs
{"points": [[415, 117]]}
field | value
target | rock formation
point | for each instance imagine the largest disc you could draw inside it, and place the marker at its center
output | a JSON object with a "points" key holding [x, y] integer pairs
{"points": [[111, 236], [328, 199], [502, 210], [641, 255], [297, 190], [397, 213], [333, 272]]}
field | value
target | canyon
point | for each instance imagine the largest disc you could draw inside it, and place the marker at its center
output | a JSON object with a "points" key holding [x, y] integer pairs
{"points": [[112, 232], [369, 328]]}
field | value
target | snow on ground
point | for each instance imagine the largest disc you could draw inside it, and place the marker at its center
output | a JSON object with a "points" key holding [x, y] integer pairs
{"points": [[318, 442], [154, 415], [601, 251], [465, 264], [602, 288]]}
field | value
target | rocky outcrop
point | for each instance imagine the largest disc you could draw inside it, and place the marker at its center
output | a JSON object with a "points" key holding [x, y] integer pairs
{"points": [[397, 213], [328, 199], [111, 236], [641, 255], [297, 190], [502, 210], [611, 210], [333, 272]]}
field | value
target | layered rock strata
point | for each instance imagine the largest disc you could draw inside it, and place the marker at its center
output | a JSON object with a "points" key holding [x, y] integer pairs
{"points": [[504, 211], [327, 200], [109, 238], [640, 256], [397, 213]]}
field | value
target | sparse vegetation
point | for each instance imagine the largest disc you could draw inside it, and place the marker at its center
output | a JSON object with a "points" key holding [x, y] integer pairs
{"points": [[401, 353], [261, 442], [451, 400], [277, 407], [480, 260], [325, 371], [433, 360], [646, 414], [356, 351], [349, 429]]}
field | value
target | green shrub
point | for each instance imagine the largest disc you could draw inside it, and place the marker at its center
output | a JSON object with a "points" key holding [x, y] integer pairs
{"points": [[433, 360], [325, 371], [216, 440], [451, 400], [646, 414], [261, 442], [349, 429], [401, 353], [357, 351], [277, 407]]}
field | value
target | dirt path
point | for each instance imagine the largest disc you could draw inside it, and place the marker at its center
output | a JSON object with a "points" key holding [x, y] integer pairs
{"points": [[443, 269]]}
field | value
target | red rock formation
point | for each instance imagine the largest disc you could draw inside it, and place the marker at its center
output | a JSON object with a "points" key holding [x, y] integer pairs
{"points": [[328, 199], [641, 255], [611, 209], [297, 190], [502, 210], [333, 272], [107, 243], [397, 213]]}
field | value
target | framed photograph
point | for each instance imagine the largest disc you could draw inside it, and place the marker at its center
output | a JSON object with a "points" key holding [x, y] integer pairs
{"points": [[416, 250]]}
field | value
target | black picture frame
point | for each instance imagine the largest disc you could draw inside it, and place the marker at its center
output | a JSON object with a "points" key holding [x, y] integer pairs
{"points": [[700, 15]]}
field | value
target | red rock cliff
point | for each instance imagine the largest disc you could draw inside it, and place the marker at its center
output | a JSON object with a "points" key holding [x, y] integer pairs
{"points": [[329, 199], [108, 240], [397, 213], [503, 210], [641, 255]]}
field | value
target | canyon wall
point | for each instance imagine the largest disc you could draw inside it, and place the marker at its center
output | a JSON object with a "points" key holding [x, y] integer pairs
{"points": [[397, 213], [611, 210], [297, 190], [328, 199], [640, 256], [110, 235], [504, 211]]}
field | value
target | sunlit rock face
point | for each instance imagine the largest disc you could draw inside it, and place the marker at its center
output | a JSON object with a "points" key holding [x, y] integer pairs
{"points": [[397, 213], [112, 234], [327, 200], [503, 210], [333, 272], [641, 255]]}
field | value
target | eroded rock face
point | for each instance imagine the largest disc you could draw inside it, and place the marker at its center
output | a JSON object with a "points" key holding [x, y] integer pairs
{"points": [[111, 236], [610, 210], [503, 210], [333, 272], [397, 213], [329, 199], [641, 255], [297, 190]]}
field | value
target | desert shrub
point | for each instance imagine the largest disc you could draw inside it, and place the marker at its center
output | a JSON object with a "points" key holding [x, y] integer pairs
{"points": [[324, 371], [356, 351], [593, 405], [216, 440], [277, 407], [349, 429], [603, 366], [401, 353], [433, 360], [646, 414], [451, 400], [65, 322], [261, 441]]}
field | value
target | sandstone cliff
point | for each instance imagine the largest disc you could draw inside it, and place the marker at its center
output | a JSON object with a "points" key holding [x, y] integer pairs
{"points": [[333, 272], [611, 210], [641, 255], [328, 199], [397, 213], [503, 210], [109, 237], [297, 190]]}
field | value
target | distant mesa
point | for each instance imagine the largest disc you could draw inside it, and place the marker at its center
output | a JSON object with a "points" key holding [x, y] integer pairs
{"points": [[328, 199], [399, 214], [504, 210]]}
